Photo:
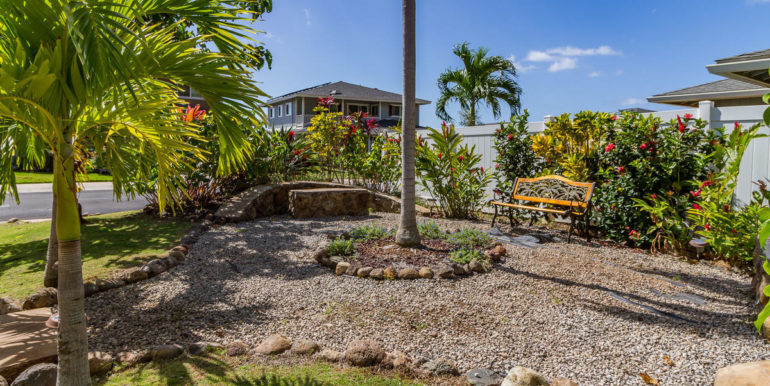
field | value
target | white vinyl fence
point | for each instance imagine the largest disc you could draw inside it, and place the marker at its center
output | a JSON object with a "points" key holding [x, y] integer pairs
{"points": [[755, 165]]}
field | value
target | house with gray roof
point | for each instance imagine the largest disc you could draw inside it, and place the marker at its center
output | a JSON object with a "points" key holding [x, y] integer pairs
{"points": [[747, 81], [295, 109]]}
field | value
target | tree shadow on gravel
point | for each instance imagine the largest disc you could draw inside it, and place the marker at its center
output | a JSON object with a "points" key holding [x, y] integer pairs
{"points": [[659, 312], [737, 290]]}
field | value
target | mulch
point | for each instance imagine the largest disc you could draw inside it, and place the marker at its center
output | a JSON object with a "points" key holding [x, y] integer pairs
{"points": [[385, 252]]}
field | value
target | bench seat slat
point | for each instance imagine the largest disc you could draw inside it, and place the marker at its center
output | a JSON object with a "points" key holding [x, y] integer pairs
{"points": [[547, 210]]}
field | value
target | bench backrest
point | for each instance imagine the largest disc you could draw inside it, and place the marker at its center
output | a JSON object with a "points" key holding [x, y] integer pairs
{"points": [[555, 190]]}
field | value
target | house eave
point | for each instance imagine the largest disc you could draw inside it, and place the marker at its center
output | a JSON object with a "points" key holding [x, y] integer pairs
{"points": [[751, 71], [692, 99]]}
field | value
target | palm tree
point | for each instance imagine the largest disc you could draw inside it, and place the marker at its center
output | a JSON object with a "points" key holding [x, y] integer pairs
{"points": [[75, 72], [407, 234], [483, 79]]}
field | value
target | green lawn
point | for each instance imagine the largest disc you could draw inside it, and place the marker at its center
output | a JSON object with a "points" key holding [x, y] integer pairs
{"points": [[37, 178], [110, 242], [218, 370]]}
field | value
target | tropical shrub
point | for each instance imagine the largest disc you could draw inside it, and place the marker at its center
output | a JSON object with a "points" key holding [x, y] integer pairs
{"points": [[448, 171], [378, 167], [644, 159], [370, 232], [466, 255], [763, 234], [327, 136], [515, 157], [570, 146], [468, 238], [728, 230], [280, 155], [341, 247]]}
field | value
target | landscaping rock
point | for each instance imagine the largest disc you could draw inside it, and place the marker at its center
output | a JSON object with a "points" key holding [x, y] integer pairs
{"points": [[744, 374], [336, 259], [766, 329], [108, 284], [496, 253], [475, 266], [236, 348], [304, 347], [166, 351], [426, 273], [400, 360], [90, 288], [331, 355], [445, 272], [467, 269], [41, 374], [364, 271], [8, 305], [135, 275], [353, 269], [155, 267], [181, 248], [522, 376], [390, 273], [3, 382], [13, 220], [563, 382], [364, 352], [169, 262], [458, 270], [341, 268], [320, 254], [440, 367], [99, 362], [408, 273], [274, 344], [377, 273], [128, 359], [45, 297], [199, 348], [483, 377], [177, 255]]}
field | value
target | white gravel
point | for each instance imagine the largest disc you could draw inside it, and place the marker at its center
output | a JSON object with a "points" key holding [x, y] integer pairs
{"points": [[558, 309]]}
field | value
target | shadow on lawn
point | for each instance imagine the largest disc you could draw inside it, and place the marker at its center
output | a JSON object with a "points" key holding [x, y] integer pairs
{"points": [[651, 311]]}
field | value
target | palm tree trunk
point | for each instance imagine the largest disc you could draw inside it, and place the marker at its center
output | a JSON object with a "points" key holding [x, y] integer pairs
{"points": [[72, 338], [407, 234], [51, 276], [472, 114]]}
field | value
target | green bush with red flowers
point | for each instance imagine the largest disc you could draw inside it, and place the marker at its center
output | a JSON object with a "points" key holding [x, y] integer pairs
{"points": [[449, 171], [515, 157]]}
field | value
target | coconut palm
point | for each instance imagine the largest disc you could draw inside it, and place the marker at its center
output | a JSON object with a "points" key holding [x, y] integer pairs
{"points": [[93, 73], [407, 234], [483, 79]]}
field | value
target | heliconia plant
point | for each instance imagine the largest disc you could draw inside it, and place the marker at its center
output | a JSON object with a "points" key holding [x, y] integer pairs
{"points": [[762, 236]]}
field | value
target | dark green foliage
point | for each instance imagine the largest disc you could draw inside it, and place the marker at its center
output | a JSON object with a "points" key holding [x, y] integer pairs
{"points": [[465, 255], [370, 232], [515, 157], [468, 238], [341, 247], [430, 230]]}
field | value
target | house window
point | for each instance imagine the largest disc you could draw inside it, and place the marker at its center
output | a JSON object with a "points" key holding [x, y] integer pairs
{"points": [[358, 109], [269, 112], [280, 111], [288, 109], [375, 110], [394, 110]]}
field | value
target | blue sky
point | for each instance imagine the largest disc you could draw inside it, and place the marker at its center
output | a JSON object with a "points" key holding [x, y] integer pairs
{"points": [[571, 55]]}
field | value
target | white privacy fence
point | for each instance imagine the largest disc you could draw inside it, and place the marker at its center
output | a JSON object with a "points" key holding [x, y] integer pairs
{"points": [[755, 165]]}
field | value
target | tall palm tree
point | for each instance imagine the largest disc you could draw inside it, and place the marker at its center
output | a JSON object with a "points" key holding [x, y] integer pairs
{"points": [[483, 79], [92, 71], [407, 234]]}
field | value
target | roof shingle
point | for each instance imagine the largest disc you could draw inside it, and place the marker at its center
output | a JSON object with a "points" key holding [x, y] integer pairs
{"points": [[345, 90]]}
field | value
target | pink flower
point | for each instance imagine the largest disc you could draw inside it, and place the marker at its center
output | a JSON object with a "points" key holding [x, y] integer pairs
{"points": [[654, 196], [695, 193], [687, 116], [510, 137], [497, 166], [460, 158], [614, 117], [643, 146], [696, 207], [681, 125], [609, 148], [440, 155], [621, 169], [705, 184]]}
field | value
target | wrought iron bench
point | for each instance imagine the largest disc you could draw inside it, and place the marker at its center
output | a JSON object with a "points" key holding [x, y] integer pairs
{"points": [[550, 194]]}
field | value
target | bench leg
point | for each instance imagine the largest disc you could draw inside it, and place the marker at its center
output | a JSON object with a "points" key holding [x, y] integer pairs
{"points": [[587, 228], [494, 217], [510, 216]]}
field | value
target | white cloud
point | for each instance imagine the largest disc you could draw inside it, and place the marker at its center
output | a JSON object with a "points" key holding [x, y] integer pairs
{"points": [[539, 56], [757, 1], [594, 74], [562, 64], [632, 101], [574, 51], [307, 15], [521, 67]]}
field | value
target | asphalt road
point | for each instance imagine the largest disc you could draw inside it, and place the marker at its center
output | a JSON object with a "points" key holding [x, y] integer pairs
{"points": [[35, 201]]}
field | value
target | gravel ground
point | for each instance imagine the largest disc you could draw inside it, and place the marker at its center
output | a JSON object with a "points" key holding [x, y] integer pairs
{"points": [[597, 315]]}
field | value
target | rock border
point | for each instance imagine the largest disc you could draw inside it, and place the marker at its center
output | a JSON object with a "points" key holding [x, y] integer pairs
{"points": [[48, 296], [339, 266]]}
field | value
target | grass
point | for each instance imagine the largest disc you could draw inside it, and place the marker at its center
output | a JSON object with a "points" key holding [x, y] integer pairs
{"points": [[214, 369], [109, 242], [42, 177]]}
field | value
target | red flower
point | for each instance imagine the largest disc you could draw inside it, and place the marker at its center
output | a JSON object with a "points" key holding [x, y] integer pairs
{"points": [[460, 158], [621, 169], [687, 116], [737, 125], [727, 208], [482, 169], [291, 135], [326, 102], [643, 146], [695, 193], [681, 125], [705, 184], [609, 148], [696, 207], [735, 232], [707, 226], [353, 129], [510, 137], [654, 196], [497, 166], [614, 117], [654, 129], [440, 155], [193, 113], [713, 142]]}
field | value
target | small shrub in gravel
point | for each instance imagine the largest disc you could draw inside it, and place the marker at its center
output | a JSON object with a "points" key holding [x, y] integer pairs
{"points": [[466, 255], [430, 230], [340, 247], [468, 238], [370, 232]]}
